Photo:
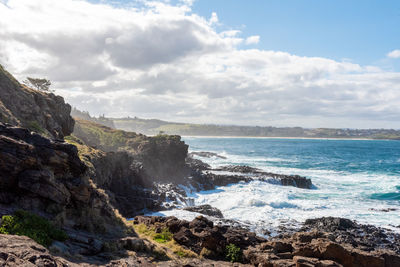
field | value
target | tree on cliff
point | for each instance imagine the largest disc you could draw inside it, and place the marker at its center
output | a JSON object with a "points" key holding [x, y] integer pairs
{"points": [[37, 83]]}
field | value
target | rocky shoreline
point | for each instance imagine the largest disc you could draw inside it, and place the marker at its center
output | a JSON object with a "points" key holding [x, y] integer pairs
{"points": [[83, 182]]}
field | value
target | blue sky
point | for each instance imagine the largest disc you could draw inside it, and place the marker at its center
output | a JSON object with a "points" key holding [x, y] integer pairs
{"points": [[362, 31], [261, 62]]}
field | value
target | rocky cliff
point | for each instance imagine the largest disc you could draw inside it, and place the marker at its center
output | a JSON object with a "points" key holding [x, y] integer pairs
{"points": [[38, 111], [81, 185], [47, 177]]}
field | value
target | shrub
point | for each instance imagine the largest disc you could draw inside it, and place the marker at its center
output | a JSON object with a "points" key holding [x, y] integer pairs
{"points": [[33, 226], [163, 237], [233, 253]]}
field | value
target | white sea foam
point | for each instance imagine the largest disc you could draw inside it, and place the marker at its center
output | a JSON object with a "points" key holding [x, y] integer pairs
{"points": [[337, 193]]}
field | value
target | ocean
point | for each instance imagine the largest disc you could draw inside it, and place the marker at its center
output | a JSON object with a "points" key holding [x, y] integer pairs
{"points": [[355, 179]]}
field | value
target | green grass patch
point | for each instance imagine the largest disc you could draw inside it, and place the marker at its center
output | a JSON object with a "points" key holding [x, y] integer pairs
{"points": [[33, 226], [164, 236], [233, 253]]}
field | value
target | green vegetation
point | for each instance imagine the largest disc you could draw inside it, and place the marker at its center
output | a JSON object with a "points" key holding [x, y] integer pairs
{"points": [[85, 152], [38, 83], [164, 236], [163, 239], [104, 137], [108, 139], [33, 226], [233, 253]]}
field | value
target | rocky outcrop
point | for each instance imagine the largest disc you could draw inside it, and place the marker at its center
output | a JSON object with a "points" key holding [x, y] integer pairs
{"points": [[202, 236], [206, 210], [23, 251], [283, 179], [46, 176], [38, 111], [162, 157], [362, 236], [311, 248]]}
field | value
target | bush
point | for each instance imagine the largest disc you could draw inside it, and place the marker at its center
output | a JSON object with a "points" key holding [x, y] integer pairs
{"points": [[233, 253], [164, 236], [33, 226]]}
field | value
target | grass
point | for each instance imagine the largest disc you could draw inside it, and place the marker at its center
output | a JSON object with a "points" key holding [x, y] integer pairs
{"points": [[108, 139], [104, 137], [233, 253], [164, 239], [31, 225], [85, 153]]}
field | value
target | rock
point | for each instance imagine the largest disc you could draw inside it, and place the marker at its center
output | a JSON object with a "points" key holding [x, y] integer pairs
{"points": [[132, 243], [296, 181], [58, 247], [47, 177], [206, 210], [331, 223], [238, 168], [251, 174], [33, 109], [205, 154], [23, 251], [197, 164]]}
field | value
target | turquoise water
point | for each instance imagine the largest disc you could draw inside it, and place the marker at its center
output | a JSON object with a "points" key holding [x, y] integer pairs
{"points": [[352, 178]]}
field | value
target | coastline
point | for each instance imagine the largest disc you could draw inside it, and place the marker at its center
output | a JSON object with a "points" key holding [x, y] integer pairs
{"points": [[283, 137]]}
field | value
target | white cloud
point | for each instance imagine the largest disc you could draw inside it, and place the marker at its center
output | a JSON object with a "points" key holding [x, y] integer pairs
{"points": [[394, 54], [164, 61], [214, 18], [255, 39]]}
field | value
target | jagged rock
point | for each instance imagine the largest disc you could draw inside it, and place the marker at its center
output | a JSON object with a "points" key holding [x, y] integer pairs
{"points": [[361, 236], [206, 210], [47, 176], [38, 111], [238, 168], [331, 223], [257, 174], [196, 164], [23, 251]]}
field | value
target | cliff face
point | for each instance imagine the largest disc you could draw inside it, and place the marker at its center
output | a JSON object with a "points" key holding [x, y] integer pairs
{"points": [[129, 167], [42, 112], [48, 177], [161, 158]]}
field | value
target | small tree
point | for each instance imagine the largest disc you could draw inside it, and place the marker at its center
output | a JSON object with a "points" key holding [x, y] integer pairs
{"points": [[37, 83]]}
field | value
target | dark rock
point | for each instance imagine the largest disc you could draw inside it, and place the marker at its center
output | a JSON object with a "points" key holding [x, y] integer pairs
{"points": [[205, 154], [206, 210], [33, 109], [330, 223], [23, 251], [238, 168], [197, 164]]}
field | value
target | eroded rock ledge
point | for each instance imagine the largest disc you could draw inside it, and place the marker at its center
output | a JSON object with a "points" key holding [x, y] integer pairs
{"points": [[319, 243]]}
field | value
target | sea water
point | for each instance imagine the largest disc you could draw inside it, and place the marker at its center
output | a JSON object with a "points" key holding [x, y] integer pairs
{"points": [[355, 179]]}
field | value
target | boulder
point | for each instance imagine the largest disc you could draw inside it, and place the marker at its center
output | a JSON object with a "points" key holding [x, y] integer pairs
{"points": [[206, 210]]}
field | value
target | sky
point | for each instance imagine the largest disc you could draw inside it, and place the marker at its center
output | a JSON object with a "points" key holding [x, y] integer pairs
{"points": [[308, 63]]}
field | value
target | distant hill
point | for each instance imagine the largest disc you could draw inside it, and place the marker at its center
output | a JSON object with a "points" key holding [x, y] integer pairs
{"points": [[85, 115], [154, 126]]}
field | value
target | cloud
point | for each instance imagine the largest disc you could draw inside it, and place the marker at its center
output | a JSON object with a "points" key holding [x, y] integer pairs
{"points": [[214, 18], [255, 39], [394, 54], [163, 61]]}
